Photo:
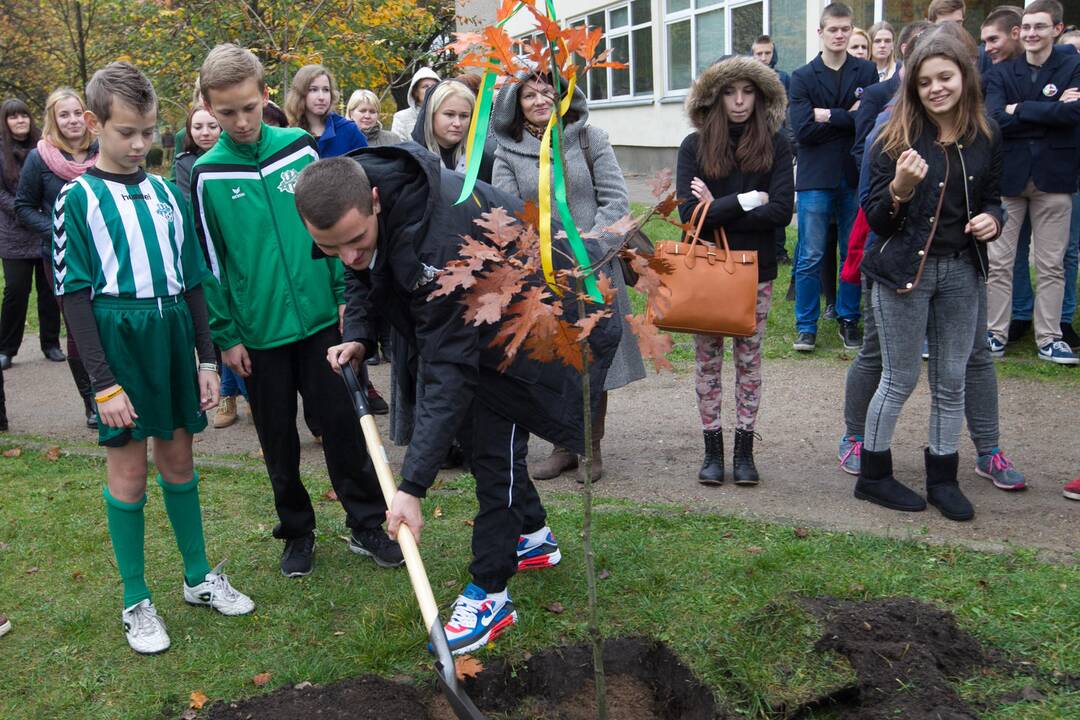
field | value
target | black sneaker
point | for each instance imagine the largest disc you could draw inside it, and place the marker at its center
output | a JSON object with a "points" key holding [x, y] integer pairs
{"points": [[805, 342], [299, 556], [375, 401], [377, 545], [830, 312], [850, 334], [1018, 329], [1068, 334]]}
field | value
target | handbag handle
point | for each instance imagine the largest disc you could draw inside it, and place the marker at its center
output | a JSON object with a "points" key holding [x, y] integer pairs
{"points": [[729, 259], [697, 223]]}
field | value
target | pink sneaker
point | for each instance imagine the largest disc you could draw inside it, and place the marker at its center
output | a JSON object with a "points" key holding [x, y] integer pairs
{"points": [[1072, 490]]}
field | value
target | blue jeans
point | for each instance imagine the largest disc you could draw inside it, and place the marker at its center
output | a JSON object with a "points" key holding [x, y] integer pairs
{"points": [[816, 208], [232, 384], [1023, 296]]}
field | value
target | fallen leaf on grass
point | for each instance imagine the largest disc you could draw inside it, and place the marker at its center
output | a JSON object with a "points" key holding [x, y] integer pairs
{"points": [[339, 633], [189, 714], [604, 574], [198, 699], [467, 666], [77, 575], [261, 679], [555, 607], [13, 452], [450, 583], [754, 549], [33, 570], [330, 494], [302, 685], [438, 511], [53, 453], [470, 523], [867, 626], [4, 546], [801, 532]]}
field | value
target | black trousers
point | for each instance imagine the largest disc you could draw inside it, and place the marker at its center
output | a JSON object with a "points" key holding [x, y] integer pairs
{"points": [[509, 504], [19, 276], [277, 375]]}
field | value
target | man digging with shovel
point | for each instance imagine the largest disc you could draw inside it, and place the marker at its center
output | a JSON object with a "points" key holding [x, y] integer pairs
{"points": [[389, 214]]}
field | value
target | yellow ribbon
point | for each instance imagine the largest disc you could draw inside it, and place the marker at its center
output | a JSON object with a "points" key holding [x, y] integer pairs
{"points": [[544, 190]]}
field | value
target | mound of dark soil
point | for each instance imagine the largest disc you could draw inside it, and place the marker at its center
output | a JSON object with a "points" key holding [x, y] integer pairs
{"points": [[904, 652], [645, 681]]}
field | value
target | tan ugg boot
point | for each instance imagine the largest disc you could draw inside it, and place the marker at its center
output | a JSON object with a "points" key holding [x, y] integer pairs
{"points": [[555, 464], [226, 413]]}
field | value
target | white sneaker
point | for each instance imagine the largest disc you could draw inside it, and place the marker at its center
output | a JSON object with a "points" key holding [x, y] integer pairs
{"points": [[216, 592], [144, 630]]}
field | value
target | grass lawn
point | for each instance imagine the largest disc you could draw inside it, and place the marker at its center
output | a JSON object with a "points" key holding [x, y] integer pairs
{"points": [[717, 589], [1021, 360]]}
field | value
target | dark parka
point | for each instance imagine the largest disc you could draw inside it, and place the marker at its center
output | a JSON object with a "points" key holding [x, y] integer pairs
{"points": [[17, 242], [420, 231], [905, 231], [746, 230], [34, 200]]}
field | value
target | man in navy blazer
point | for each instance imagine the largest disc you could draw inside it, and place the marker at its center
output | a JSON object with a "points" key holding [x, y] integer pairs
{"points": [[824, 96], [1033, 97]]}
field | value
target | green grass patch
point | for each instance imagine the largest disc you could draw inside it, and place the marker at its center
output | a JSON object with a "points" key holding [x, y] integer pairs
{"points": [[1021, 360], [719, 590]]}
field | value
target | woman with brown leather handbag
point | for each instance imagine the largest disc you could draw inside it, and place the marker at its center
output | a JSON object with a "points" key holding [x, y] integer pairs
{"points": [[739, 164]]}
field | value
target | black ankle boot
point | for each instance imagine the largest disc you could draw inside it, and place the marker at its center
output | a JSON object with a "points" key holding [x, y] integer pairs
{"points": [[712, 469], [876, 484], [82, 382], [743, 469], [942, 487]]}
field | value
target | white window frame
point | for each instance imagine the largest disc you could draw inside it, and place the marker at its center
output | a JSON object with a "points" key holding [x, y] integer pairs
{"points": [[626, 31], [692, 13]]}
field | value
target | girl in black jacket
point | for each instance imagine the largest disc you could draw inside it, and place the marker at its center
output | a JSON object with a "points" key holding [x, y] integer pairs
{"points": [[740, 161], [934, 203]]}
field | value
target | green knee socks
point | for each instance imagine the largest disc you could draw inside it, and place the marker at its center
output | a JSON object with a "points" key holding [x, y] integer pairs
{"points": [[126, 528], [185, 514]]}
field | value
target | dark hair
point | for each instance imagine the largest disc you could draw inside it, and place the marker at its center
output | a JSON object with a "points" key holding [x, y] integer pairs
{"points": [[328, 189], [471, 81], [1002, 18], [763, 39], [1050, 7], [517, 125], [718, 156], [274, 115], [835, 10], [122, 81], [951, 42], [13, 152], [905, 44], [938, 8]]}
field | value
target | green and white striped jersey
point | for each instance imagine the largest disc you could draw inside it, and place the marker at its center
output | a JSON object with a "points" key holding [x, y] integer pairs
{"points": [[128, 236]]}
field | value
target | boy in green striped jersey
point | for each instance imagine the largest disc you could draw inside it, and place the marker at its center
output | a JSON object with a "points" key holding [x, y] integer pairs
{"points": [[128, 268]]}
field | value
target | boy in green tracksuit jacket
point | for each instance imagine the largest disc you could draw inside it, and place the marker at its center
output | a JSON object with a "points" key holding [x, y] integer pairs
{"points": [[274, 311]]}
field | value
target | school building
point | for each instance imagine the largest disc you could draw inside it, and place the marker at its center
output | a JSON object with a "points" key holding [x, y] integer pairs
{"points": [[667, 42]]}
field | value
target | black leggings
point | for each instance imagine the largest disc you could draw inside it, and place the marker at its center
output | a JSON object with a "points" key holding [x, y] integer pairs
{"points": [[19, 277]]}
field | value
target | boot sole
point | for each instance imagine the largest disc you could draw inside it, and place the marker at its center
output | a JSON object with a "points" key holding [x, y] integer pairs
{"points": [[747, 483], [547, 475], [891, 506], [710, 483], [359, 550], [952, 516]]}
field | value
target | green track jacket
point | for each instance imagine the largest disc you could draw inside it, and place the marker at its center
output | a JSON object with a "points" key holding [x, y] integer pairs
{"points": [[269, 290]]}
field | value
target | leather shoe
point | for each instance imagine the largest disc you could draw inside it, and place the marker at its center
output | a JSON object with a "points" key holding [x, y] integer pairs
{"points": [[55, 354], [5, 362]]}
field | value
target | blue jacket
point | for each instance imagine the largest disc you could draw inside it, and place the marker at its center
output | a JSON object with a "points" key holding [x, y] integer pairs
{"points": [[825, 147], [1040, 137], [340, 136], [873, 102]]}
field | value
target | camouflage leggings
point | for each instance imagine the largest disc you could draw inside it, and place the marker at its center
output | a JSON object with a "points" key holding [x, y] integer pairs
{"points": [[747, 354]]}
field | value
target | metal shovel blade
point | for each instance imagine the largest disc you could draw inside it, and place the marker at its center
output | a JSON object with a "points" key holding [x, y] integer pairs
{"points": [[444, 665]]}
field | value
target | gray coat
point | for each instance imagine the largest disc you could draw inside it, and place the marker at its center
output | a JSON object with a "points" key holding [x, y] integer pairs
{"points": [[16, 241], [376, 136], [596, 200]]}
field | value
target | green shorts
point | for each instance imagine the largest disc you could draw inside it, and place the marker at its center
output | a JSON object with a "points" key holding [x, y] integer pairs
{"points": [[149, 344]]}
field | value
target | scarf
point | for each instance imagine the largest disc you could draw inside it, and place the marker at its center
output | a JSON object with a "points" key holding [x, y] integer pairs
{"points": [[535, 130], [61, 166], [372, 133]]}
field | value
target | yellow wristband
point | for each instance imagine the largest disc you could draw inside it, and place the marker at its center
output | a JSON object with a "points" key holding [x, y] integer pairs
{"points": [[106, 398]]}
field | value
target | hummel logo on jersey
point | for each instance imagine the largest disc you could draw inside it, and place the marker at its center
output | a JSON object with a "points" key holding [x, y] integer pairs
{"points": [[288, 181], [164, 211], [237, 193], [135, 196]]}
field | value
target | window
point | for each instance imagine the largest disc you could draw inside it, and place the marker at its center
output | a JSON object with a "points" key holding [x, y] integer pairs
{"points": [[627, 31], [699, 32]]}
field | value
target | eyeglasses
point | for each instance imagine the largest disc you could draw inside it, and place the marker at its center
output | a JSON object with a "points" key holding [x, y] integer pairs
{"points": [[1040, 28]]}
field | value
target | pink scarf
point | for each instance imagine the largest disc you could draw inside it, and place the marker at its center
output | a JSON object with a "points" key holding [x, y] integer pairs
{"points": [[60, 165]]}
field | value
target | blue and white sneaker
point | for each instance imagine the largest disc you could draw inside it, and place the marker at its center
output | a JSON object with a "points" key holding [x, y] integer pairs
{"points": [[538, 550], [1058, 352], [850, 454], [996, 467], [995, 346], [478, 618]]}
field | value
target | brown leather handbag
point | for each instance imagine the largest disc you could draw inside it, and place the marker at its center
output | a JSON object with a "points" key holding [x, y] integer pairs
{"points": [[711, 289]]}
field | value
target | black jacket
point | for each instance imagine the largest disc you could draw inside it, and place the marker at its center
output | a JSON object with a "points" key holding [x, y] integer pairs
{"points": [[746, 230], [905, 231], [873, 101], [420, 230], [1040, 137], [34, 200], [487, 160]]}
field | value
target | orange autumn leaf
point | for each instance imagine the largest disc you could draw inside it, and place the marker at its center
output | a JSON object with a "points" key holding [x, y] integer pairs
{"points": [[654, 345], [261, 679], [198, 699], [53, 453], [13, 453], [467, 666]]}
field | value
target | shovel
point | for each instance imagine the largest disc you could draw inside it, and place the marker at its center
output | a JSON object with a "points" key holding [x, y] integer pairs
{"points": [[444, 662]]}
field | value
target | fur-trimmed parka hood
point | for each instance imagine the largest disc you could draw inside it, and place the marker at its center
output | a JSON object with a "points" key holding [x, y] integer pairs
{"points": [[706, 89]]}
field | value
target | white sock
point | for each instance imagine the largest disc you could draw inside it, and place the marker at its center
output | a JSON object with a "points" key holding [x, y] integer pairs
{"points": [[502, 596], [535, 538]]}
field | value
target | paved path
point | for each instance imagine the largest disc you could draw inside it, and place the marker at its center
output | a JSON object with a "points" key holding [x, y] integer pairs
{"points": [[654, 448]]}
